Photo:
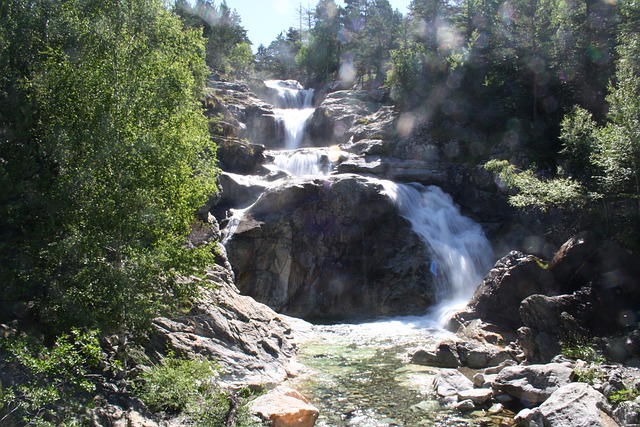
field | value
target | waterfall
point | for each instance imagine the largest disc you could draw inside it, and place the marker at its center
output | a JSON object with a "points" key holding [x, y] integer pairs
{"points": [[307, 163], [295, 106], [461, 254]]}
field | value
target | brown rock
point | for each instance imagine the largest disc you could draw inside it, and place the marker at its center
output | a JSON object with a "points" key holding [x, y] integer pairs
{"points": [[285, 407]]}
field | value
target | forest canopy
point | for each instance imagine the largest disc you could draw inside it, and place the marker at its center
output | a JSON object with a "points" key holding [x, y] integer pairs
{"points": [[105, 157]]}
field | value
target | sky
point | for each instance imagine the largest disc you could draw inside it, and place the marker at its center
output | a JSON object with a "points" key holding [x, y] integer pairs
{"points": [[265, 19]]}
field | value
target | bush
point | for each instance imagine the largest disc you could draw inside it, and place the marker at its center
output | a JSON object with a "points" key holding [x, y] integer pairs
{"points": [[48, 386], [180, 385]]}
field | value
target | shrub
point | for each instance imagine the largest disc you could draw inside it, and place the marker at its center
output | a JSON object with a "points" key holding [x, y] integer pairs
{"points": [[189, 386], [45, 383]]}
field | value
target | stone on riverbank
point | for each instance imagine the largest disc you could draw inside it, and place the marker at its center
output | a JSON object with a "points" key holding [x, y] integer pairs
{"points": [[285, 407]]}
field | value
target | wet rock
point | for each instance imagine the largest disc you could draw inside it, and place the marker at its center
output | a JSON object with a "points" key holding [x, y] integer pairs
{"points": [[577, 405], [532, 384], [450, 382], [240, 157], [240, 191], [465, 405], [394, 169], [444, 356], [285, 407], [308, 249]]}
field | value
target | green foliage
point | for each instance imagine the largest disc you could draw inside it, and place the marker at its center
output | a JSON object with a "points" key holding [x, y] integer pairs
{"points": [[47, 382], [188, 386], [228, 49], [623, 395], [321, 59], [278, 60], [533, 191], [583, 350], [108, 164], [175, 383], [404, 77], [589, 374]]}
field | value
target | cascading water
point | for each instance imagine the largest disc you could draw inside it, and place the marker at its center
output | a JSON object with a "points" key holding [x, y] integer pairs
{"points": [[295, 106], [301, 163], [361, 377], [462, 255]]}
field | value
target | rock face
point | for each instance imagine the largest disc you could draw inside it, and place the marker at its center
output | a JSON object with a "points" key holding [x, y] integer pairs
{"points": [[339, 111], [243, 115], [309, 249], [252, 343]]}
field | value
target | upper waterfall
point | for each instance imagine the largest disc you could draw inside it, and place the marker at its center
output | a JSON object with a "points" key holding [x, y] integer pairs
{"points": [[294, 106], [290, 94], [461, 254]]}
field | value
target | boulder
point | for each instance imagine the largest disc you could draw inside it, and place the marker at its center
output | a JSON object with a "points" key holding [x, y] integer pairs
{"points": [[308, 249], [479, 396], [444, 356], [532, 384], [478, 356], [513, 278], [285, 407], [242, 114], [571, 256], [451, 382], [547, 319], [577, 405], [628, 413]]}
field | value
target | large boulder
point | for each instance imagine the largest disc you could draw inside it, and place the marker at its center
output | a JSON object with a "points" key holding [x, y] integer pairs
{"points": [[331, 247], [513, 278], [241, 157], [532, 384], [577, 405]]}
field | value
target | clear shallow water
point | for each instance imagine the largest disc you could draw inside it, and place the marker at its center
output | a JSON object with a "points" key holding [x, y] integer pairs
{"points": [[360, 376]]}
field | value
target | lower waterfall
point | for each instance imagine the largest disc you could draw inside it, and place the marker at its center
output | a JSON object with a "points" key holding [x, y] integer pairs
{"points": [[462, 255]]}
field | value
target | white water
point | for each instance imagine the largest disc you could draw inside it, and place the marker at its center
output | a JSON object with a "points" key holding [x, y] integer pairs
{"points": [[298, 163], [462, 255], [295, 106]]}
